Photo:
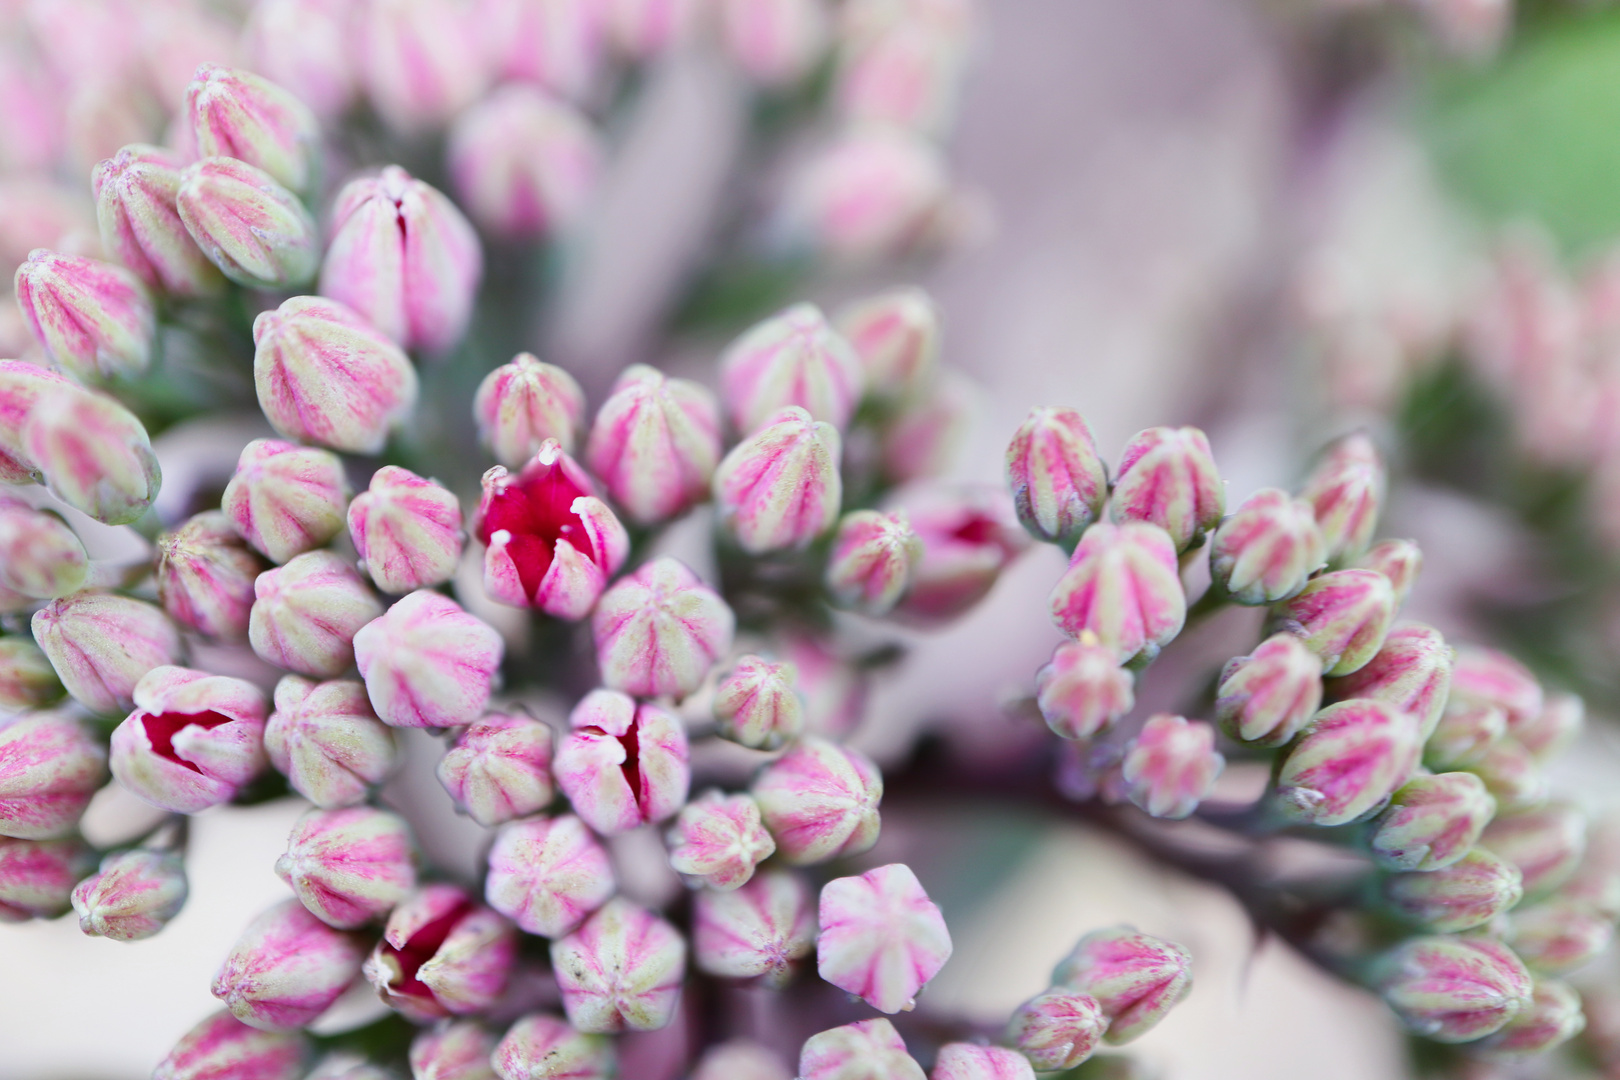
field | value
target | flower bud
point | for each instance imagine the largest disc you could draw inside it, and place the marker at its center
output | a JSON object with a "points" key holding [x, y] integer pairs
{"points": [[779, 488], [524, 163], [50, 766], [970, 1061], [1083, 691], [193, 741], [1269, 695], [550, 542], [548, 874], [623, 765], [1463, 734], [286, 969], [1411, 671], [873, 559], [621, 970], [94, 454], [305, 614], [500, 768], [1454, 989], [1351, 758], [1171, 765], [718, 840], [40, 556], [741, 1059], [1470, 892], [101, 644], [1135, 978], [869, 1050], [328, 743], [324, 375], [775, 42], [422, 61], [1554, 728], [1558, 934], [132, 896], [1124, 586], [1057, 1029], [1267, 549], [1482, 676], [758, 705], [1552, 1017], [407, 530], [205, 576], [1546, 844], [286, 499], [441, 955], [643, 29], [1346, 490], [969, 537], [257, 232], [403, 256], [1342, 617], [27, 680], [759, 930], [135, 192], [922, 440], [881, 938], [22, 386], [895, 335], [1431, 822], [522, 404], [555, 43], [37, 876], [1511, 775], [820, 801], [224, 1048], [872, 192], [348, 866], [655, 444], [459, 1050], [794, 358], [659, 630], [93, 319], [540, 1046], [1398, 560], [239, 115], [1058, 481], [307, 47], [1167, 477], [427, 663]]}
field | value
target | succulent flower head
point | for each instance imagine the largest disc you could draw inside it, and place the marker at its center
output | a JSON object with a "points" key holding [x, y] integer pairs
{"points": [[655, 444], [132, 896], [1083, 690], [1167, 477], [758, 705], [1454, 989], [135, 193], [101, 644], [1342, 617], [522, 404], [286, 969], [1059, 482], [241, 115], [407, 530], [285, 499], [50, 766], [1057, 1029], [868, 1050], [761, 929], [621, 970], [205, 576], [349, 866], [718, 839], [442, 954], [881, 937], [258, 233], [306, 613], [1267, 549], [1270, 695], [874, 557], [659, 630], [1135, 978], [499, 768], [624, 764], [780, 487], [820, 800], [326, 740], [193, 741], [1171, 765], [548, 874], [93, 319], [427, 663], [1123, 585]]}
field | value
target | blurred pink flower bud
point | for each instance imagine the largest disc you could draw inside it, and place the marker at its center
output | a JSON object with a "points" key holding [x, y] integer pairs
{"points": [[655, 444], [1171, 765], [555, 43], [869, 1050], [901, 62], [623, 765], [1135, 978], [1057, 1029], [550, 542], [780, 488], [193, 741], [741, 1059], [924, 439], [423, 62], [40, 556], [135, 192], [873, 559], [306, 46], [881, 938], [621, 970], [256, 231], [775, 41], [522, 404], [348, 866], [1267, 549], [93, 319], [240, 115], [205, 575], [1411, 671], [1597, 880], [50, 766], [1398, 560], [324, 375], [969, 536], [1346, 489], [427, 663], [1552, 1017], [659, 630], [1269, 695], [758, 705], [403, 256], [1058, 481], [1482, 676], [548, 874], [456, 1050], [793, 358], [37, 876], [1083, 690], [1350, 759], [1559, 934], [1470, 892], [1545, 844], [1431, 822], [22, 385], [286, 499], [1463, 734], [286, 969], [895, 335], [1511, 775], [524, 163], [1556, 726], [760, 930], [1342, 617], [872, 192], [101, 644], [305, 614], [499, 768], [820, 801], [718, 840], [643, 29], [1454, 989], [27, 680], [224, 1048], [1167, 476], [540, 1046], [970, 1061], [407, 530], [326, 740], [132, 896], [94, 454], [1124, 586], [442, 954]]}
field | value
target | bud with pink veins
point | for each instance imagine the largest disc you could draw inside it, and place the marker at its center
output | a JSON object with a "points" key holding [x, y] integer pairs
{"points": [[659, 630], [1431, 822], [1267, 549], [870, 193], [258, 233], [762, 929], [624, 764], [421, 61], [1171, 765], [874, 557], [1342, 617], [1482, 676], [780, 487], [193, 741], [793, 358], [306, 614], [241, 115], [442, 954], [132, 896], [1167, 476], [1124, 586], [135, 192], [621, 970], [459, 1050], [205, 575], [427, 663], [1398, 560], [407, 530], [820, 801], [325, 739], [1346, 491], [50, 766], [969, 537], [93, 319], [775, 41], [1083, 690], [1454, 989], [102, 644], [224, 1048], [27, 680], [544, 1046], [40, 556], [1057, 1029], [499, 768], [524, 163], [307, 47], [868, 1050], [1553, 729], [37, 876], [285, 499], [1352, 757], [1136, 978], [1558, 934], [522, 404], [758, 705], [643, 29], [348, 866], [895, 335], [1546, 844], [1552, 1018], [924, 438], [718, 840], [971, 1061], [554, 43], [93, 453], [881, 938], [22, 386], [1058, 480], [286, 969], [548, 874], [655, 444], [1411, 671], [1470, 892], [1268, 696]]}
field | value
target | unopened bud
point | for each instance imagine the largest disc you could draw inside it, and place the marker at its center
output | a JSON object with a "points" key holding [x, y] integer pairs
{"points": [[286, 969], [868, 1050], [556, 43], [794, 358], [1351, 758], [1491, 677], [1171, 765], [1432, 821], [1124, 586], [94, 454], [655, 444], [1167, 477], [499, 768], [624, 764], [305, 614], [1342, 617], [240, 115], [1454, 989], [458, 1050], [1398, 560], [760, 930], [718, 840], [286, 499], [348, 866], [971, 1061], [525, 164], [873, 559], [50, 766], [1556, 726], [872, 192], [193, 741], [1268, 696], [1552, 1017], [1463, 734], [1470, 892], [758, 704], [306, 46], [37, 876], [1267, 549], [1558, 934], [205, 575], [135, 192], [93, 319], [548, 874], [1545, 844], [427, 663], [1057, 1029], [326, 740], [101, 644], [776, 41], [1411, 671], [422, 61], [22, 386], [223, 1047], [1059, 482], [659, 630], [442, 954], [522, 404], [896, 336], [539, 1045], [1083, 690], [132, 896], [923, 440], [40, 556], [256, 231], [1136, 978], [969, 537], [1346, 490], [621, 970], [881, 937], [27, 680], [820, 800], [1513, 777], [407, 530]]}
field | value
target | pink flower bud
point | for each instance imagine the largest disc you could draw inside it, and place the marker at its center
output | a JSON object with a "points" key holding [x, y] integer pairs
{"points": [[757, 704], [423, 62], [1057, 1029], [643, 29], [1454, 989], [1484, 676], [759, 930], [135, 192], [820, 801], [305, 614], [133, 896], [37, 876], [881, 938], [22, 386], [775, 41], [1083, 691], [741, 1059], [555, 43], [1463, 734], [548, 874], [718, 840], [873, 192], [324, 375], [550, 542], [1411, 671], [1342, 617], [193, 741], [869, 1050], [1167, 476], [407, 530], [205, 575], [1398, 560], [1124, 586], [306, 46], [1268, 696], [1058, 481], [256, 231], [1561, 719], [27, 680], [441, 955], [1171, 765], [402, 255], [895, 335], [969, 536], [544, 1046], [101, 644], [655, 444], [286, 499], [1545, 844], [659, 630], [1552, 1017], [621, 970], [1470, 892], [93, 319], [50, 765], [522, 404], [224, 1048], [969, 1061], [524, 163], [1431, 822], [1350, 759], [94, 455], [1346, 489], [793, 358], [328, 743], [40, 556], [623, 765], [348, 866], [779, 488], [500, 768], [459, 1050], [1135, 978], [239, 115], [427, 663], [901, 63], [1559, 934], [923, 440], [873, 559], [1511, 775], [286, 969], [1267, 549]]}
